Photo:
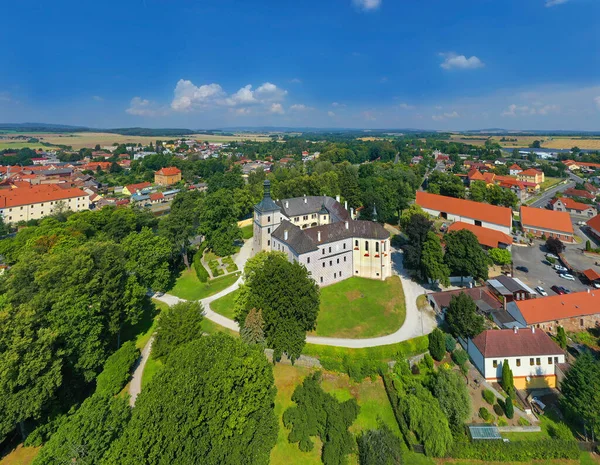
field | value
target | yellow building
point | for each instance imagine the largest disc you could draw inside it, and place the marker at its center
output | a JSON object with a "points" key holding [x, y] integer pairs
{"points": [[167, 176]]}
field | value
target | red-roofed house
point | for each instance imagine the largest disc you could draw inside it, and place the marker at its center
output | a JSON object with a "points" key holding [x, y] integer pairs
{"points": [[157, 197], [532, 356], [488, 238], [566, 204], [134, 188], [542, 222], [594, 225], [531, 175], [467, 211], [167, 176], [584, 194], [514, 170], [577, 165]]}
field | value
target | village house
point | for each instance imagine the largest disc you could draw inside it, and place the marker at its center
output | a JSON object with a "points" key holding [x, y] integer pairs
{"points": [[584, 194], [532, 356], [531, 175], [320, 233], [466, 211], [514, 170], [136, 188], [566, 204], [167, 176], [548, 223], [573, 165], [594, 226]]}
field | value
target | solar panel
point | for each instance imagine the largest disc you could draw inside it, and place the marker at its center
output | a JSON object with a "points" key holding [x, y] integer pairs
{"points": [[479, 432]]}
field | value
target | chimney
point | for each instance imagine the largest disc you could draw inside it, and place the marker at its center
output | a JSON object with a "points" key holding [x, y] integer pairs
{"points": [[305, 199], [533, 330], [287, 204], [346, 224], [352, 213], [516, 330], [285, 235], [318, 236], [346, 205], [337, 198]]}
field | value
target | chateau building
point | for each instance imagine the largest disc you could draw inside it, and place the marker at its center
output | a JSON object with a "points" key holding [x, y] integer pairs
{"points": [[320, 233]]}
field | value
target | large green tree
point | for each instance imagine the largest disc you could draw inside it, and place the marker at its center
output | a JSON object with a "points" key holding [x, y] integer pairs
{"points": [[462, 317], [449, 388], [218, 222], [432, 260], [177, 325], [148, 258], [287, 297], [464, 255], [212, 403], [379, 447]]}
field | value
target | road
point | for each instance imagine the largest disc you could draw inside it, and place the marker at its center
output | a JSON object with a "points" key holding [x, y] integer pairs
{"points": [[547, 196], [135, 387]]}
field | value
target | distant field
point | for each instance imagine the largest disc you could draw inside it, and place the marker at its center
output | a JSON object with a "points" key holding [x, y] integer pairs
{"points": [[90, 139], [526, 141], [19, 145], [570, 142]]}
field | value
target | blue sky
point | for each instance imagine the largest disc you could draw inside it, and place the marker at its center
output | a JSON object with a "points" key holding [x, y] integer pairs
{"points": [[431, 64]]}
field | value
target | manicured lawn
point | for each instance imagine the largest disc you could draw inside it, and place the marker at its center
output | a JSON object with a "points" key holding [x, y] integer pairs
{"points": [[361, 308], [247, 232], [152, 367], [550, 182], [210, 327], [224, 305], [189, 287], [20, 456]]}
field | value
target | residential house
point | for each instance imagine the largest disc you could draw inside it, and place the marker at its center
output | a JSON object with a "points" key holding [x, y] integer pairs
{"points": [[96, 165], [466, 211], [167, 176], [486, 302], [156, 198], [509, 289], [594, 226], [584, 194], [135, 188], [514, 170], [577, 311], [594, 190], [531, 175], [542, 222], [573, 165], [488, 238], [532, 356], [566, 204]]}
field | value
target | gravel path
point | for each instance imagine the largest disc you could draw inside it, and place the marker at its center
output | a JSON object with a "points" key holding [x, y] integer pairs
{"points": [[135, 387]]}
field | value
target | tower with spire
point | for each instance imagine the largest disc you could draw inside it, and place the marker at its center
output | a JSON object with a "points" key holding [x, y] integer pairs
{"points": [[267, 217]]}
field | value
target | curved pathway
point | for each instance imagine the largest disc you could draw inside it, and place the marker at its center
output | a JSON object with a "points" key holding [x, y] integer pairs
{"points": [[415, 324], [135, 386]]}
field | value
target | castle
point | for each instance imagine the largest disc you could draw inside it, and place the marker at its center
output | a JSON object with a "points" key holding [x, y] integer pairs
{"points": [[320, 233]]}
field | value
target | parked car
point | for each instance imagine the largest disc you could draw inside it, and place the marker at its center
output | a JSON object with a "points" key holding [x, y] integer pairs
{"points": [[565, 290], [560, 268], [596, 285], [444, 228], [567, 276], [551, 255], [558, 289], [540, 290], [581, 223], [524, 269]]}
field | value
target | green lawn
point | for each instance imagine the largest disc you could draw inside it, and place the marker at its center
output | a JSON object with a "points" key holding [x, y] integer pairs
{"points": [[224, 305], [247, 232], [550, 182], [189, 287], [152, 367], [361, 308]]}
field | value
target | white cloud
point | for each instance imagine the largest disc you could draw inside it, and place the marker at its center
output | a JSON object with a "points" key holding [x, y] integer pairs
{"points": [[454, 61], [445, 116], [406, 106], [276, 108], [535, 109], [296, 81], [331, 114], [338, 105], [367, 5], [97, 98], [300, 107], [189, 97], [270, 93], [369, 115], [597, 100], [244, 96], [144, 107], [551, 3], [242, 111]]}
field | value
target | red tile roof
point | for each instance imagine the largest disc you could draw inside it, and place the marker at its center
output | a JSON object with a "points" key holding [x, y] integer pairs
{"points": [[530, 172], [133, 188], [501, 343], [465, 208], [594, 223], [591, 274], [578, 193], [515, 167], [572, 204], [541, 218], [485, 236], [26, 194], [157, 196], [558, 307], [169, 171], [581, 163]]}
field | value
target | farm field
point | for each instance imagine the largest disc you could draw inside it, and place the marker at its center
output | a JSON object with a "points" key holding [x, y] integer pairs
{"points": [[587, 143]]}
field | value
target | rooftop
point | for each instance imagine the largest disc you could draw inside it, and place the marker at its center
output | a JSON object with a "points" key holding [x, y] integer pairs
{"points": [[307, 205], [572, 204], [169, 171], [26, 194], [558, 307], [481, 295], [546, 219], [514, 343], [486, 236], [594, 222]]}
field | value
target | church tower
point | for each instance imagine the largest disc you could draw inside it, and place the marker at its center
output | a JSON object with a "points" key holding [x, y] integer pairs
{"points": [[267, 217]]}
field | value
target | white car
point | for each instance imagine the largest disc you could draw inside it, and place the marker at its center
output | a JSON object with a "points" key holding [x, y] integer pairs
{"points": [[551, 255], [567, 276], [560, 268], [596, 285], [540, 290]]}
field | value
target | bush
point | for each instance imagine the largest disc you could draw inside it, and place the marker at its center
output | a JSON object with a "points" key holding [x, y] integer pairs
{"points": [[560, 431], [428, 361], [488, 396], [437, 345], [524, 422], [450, 342], [498, 410], [518, 451], [117, 370], [485, 414], [460, 357], [509, 409], [379, 447], [502, 422], [201, 272]]}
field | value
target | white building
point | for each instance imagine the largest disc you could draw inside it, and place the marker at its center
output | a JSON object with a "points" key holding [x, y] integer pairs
{"points": [[531, 354], [320, 233]]}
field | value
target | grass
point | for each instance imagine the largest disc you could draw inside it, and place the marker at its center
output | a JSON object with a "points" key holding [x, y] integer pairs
{"points": [[224, 305], [20, 456], [422, 302], [549, 183], [247, 231], [189, 287], [532, 462], [152, 367], [360, 307]]}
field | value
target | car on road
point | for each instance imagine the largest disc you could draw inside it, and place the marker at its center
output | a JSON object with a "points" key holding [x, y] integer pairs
{"points": [[524, 269], [567, 276], [596, 285], [558, 289], [551, 255], [560, 268], [540, 290]]}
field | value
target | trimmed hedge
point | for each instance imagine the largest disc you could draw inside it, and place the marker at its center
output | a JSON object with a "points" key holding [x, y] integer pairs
{"points": [[519, 451], [488, 396], [201, 272], [397, 408], [485, 414], [117, 369]]}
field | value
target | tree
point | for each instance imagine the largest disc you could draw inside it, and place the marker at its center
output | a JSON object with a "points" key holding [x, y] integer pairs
{"points": [[287, 296], [212, 403], [117, 370], [449, 388], [148, 258], [437, 347], [318, 413], [561, 337], [588, 245], [432, 260], [253, 330], [464, 255], [417, 230], [218, 222], [407, 214], [379, 447], [555, 245], [580, 388], [509, 409], [478, 191], [177, 326], [507, 379], [500, 256], [536, 144], [462, 317]]}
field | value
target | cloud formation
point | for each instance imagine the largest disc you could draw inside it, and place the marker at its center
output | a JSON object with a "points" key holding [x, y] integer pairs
{"points": [[445, 116], [367, 5], [454, 61], [551, 3], [277, 108], [300, 107], [529, 110], [144, 107]]}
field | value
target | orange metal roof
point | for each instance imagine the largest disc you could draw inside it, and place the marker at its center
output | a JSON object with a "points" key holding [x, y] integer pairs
{"points": [[558, 307], [591, 274], [546, 219], [27, 194], [466, 208], [485, 236]]}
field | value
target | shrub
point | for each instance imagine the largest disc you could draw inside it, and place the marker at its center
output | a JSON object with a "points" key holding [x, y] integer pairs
{"points": [[517, 451], [498, 410], [488, 396], [199, 268], [460, 357], [437, 346], [485, 414], [502, 422], [428, 361], [524, 422], [450, 342], [379, 447], [117, 370], [560, 431], [509, 409]]}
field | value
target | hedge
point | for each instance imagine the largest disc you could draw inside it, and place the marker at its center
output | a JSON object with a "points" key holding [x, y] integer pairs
{"points": [[356, 368], [485, 414], [518, 451], [407, 434], [199, 267], [117, 369], [488, 396]]}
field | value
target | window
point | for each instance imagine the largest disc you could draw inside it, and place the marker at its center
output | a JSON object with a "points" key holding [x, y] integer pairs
{"points": [[581, 322], [334, 275], [10, 209], [330, 262], [338, 261], [268, 230], [477, 223], [356, 243], [344, 258], [323, 251], [518, 362], [307, 259], [538, 361], [329, 249], [268, 242], [305, 217], [555, 359], [377, 247], [21, 208], [495, 363], [549, 360], [367, 246], [344, 246], [268, 219], [531, 362], [321, 278], [296, 219], [323, 264]]}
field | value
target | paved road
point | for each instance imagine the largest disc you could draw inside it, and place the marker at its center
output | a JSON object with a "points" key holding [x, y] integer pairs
{"points": [[416, 323], [547, 196], [135, 387]]}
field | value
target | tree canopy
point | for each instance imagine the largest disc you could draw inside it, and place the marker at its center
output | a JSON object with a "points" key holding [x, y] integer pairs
{"points": [[462, 317], [177, 325], [464, 255]]}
